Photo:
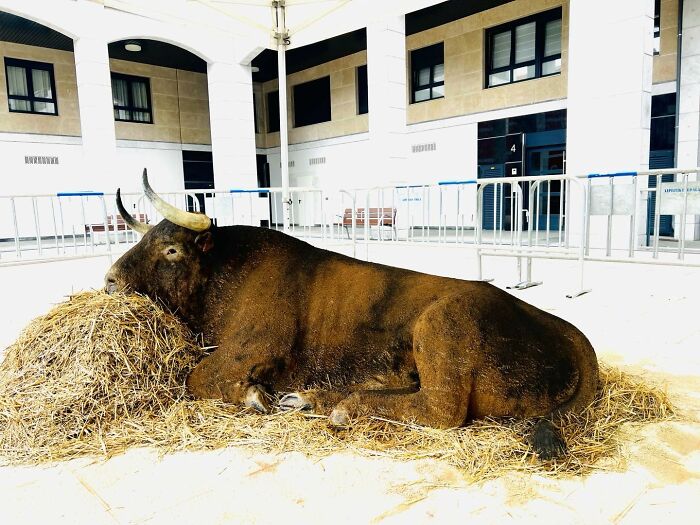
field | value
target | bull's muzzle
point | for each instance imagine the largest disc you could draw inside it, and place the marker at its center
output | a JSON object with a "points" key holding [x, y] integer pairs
{"points": [[111, 285]]}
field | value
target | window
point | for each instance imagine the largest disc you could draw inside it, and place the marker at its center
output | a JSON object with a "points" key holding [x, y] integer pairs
{"points": [[273, 111], [30, 87], [657, 27], [312, 102], [524, 49], [132, 98], [362, 92], [428, 73]]}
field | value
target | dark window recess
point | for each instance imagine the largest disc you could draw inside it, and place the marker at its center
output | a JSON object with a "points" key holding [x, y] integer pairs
{"points": [[312, 102], [549, 121], [663, 122], [524, 49], [362, 90], [263, 172], [273, 111], [255, 113], [657, 27], [31, 87], [131, 97], [428, 73], [198, 171]]}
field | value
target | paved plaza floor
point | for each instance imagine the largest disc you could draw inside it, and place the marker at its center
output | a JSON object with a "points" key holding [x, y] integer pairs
{"points": [[644, 319]]}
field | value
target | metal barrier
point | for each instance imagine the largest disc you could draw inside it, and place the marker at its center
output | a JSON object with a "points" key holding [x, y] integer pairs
{"points": [[634, 217], [70, 225]]}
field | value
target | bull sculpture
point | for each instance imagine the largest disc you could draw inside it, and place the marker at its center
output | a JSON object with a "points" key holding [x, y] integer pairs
{"points": [[347, 338]]}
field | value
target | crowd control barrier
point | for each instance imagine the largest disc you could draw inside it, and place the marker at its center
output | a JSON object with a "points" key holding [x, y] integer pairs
{"points": [[649, 217]]}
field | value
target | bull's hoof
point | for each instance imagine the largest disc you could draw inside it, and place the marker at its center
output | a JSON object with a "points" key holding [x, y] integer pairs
{"points": [[547, 440], [339, 418], [295, 401], [256, 398]]}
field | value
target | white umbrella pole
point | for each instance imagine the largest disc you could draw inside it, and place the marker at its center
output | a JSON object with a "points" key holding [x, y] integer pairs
{"points": [[284, 138]]}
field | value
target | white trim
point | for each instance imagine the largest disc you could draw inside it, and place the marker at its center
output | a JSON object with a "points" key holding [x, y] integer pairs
{"points": [[149, 144], [36, 138], [323, 143], [464, 120], [664, 88]]}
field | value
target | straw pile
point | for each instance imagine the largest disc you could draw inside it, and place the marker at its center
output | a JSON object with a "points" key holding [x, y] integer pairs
{"points": [[102, 373]]}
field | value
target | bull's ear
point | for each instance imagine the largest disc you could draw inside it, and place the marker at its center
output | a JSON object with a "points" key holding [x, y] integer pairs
{"points": [[205, 241]]}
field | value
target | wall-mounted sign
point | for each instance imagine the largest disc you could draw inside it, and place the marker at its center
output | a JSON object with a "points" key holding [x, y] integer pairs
{"points": [[42, 159]]}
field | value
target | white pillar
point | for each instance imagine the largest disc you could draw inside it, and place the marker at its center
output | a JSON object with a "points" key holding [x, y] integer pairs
{"points": [[386, 80], [609, 92], [96, 108], [689, 100], [232, 127]]}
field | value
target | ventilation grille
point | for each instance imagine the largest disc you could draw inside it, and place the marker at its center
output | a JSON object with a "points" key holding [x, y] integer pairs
{"points": [[290, 164], [31, 159], [317, 160], [420, 148]]}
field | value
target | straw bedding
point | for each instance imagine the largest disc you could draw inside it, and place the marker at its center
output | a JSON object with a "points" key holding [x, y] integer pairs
{"points": [[101, 373]]}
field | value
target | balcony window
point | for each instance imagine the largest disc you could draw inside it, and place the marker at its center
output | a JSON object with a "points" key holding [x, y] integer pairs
{"points": [[524, 49], [428, 73], [31, 87], [131, 97]]}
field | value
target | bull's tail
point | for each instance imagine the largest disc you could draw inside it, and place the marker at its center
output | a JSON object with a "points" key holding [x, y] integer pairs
{"points": [[546, 438]]}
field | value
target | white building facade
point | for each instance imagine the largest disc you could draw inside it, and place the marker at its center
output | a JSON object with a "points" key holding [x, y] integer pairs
{"points": [[576, 82]]}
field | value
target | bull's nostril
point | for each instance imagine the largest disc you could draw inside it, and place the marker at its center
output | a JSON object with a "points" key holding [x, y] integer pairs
{"points": [[110, 284]]}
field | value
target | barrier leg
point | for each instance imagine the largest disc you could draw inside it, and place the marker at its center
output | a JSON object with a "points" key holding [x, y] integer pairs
{"points": [[527, 282]]}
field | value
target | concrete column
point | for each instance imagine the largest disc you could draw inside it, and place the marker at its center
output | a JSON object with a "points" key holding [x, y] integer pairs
{"points": [[689, 100], [96, 105], [232, 127], [386, 80], [609, 94]]}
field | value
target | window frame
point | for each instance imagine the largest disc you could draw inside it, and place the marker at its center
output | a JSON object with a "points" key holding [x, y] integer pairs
{"points": [[29, 65], [417, 65], [657, 28], [130, 108], [541, 20]]}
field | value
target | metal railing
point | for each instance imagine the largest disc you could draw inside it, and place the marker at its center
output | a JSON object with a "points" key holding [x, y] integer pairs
{"points": [[636, 217]]}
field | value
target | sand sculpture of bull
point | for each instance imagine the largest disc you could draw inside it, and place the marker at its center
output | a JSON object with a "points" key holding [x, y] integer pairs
{"points": [[348, 338]]}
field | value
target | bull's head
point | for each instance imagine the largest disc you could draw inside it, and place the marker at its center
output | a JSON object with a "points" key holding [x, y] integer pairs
{"points": [[171, 260]]}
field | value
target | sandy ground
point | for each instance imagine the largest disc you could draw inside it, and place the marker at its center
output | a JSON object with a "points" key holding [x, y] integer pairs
{"points": [[644, 319]]}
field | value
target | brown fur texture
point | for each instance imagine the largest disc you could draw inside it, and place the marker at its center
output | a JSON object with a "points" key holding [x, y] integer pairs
{"points": [[356, 338]]}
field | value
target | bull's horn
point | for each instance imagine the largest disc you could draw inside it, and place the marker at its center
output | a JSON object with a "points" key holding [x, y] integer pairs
{"points": [[137, 226], [192, 221]]}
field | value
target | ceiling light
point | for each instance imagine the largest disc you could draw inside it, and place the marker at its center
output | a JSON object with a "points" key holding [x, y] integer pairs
{"points": [[134, 47]]}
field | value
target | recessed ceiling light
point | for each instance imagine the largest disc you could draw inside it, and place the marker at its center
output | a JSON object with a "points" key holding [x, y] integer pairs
{"points": [[134, 47]]}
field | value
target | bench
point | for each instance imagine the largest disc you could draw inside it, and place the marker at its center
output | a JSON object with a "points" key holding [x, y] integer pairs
{"points": [[115, 223], [374, 217]]}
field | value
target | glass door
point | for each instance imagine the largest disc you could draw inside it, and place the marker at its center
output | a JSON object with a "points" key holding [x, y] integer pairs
{"points": [[549, 208]]}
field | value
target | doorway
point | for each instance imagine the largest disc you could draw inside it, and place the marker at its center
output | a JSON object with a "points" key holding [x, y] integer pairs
{"points": [[263, 173], [198, 170], [549, 208]]}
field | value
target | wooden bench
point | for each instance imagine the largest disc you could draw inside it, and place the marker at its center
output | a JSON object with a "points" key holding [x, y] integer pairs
{"points": [[374, 217], [115, 223]]}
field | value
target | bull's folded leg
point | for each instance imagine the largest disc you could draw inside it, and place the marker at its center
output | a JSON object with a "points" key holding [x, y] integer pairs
{"points": [[443, 397], [319, 402], [426, 407]]}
